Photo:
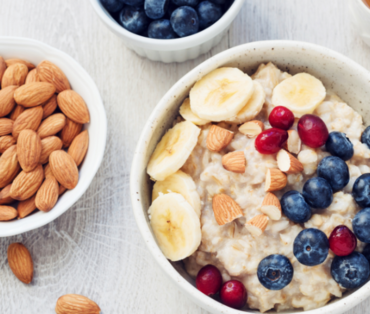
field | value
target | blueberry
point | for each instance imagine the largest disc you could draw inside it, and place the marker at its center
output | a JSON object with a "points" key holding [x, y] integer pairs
{"points": [[161, 29], [311, 247], [275, 272], [156, 9], [184, 21], [295, 207], [365, 137], [361, 190], [112, 6], [133, 2], [335, 171], [208, 13], [339, 145], [190, 3], [361, 225], [226, 6], [366, 252], [134, 19], [317, 192], [350, 271]]}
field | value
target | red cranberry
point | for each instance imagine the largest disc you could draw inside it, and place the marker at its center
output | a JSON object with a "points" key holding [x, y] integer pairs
{"points": [[281, 118], [312, 131], [209, 280], [342, 241], [270, 141], [233, 294]]}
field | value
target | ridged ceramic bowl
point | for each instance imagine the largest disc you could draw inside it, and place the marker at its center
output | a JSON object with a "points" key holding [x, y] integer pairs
{"points": [[171, 50], [338, 73], [35, 52]]}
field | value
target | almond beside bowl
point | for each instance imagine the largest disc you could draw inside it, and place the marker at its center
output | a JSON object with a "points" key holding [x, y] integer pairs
{"points": [[339, 74], [35, 52]]}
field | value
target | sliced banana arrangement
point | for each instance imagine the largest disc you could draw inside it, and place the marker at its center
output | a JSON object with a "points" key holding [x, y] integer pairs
{"points": [[221, 94], [173, 150], [176, 226], [301, 93], [188, 115]]}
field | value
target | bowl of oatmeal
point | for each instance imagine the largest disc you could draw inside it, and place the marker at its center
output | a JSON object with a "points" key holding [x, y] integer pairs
{"points": [[234, 169]]}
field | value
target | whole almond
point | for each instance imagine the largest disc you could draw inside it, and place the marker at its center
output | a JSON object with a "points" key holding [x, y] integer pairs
{"points": [[20, 262], [29, 65], [2, 68], [218, 138], [17, 111], [49, 144], [5, 197], [73, 106], [5, 142], [29, 119], [6, 126], [64, 169], [75, 303], [234, 162], [31, 77], [47, 195], [28, 150], [27, 183], [49, 107], [7, 213], [49, 72], [26, 207], [79, 146], [7, 101], [14, 75], [225, 209], [34, 94], [69, 132], [9, 166], [52, 125]]}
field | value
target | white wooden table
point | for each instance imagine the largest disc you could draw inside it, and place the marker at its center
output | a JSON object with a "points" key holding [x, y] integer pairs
{"points": [[95, 249]]}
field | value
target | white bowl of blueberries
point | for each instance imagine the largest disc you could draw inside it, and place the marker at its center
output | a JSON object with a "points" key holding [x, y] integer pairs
{"points": [[168, 30]]}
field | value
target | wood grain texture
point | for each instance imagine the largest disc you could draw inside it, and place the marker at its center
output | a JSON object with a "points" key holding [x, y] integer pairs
{"points": [[95, 249]]}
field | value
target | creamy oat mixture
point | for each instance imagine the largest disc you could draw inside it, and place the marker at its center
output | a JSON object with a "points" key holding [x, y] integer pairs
{"points": [[231, 247]]}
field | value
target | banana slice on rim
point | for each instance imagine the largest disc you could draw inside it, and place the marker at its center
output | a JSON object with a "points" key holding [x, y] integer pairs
{"points": [[253, 106], [173, 150], [301, 93], [181, 183], [176, 226], [189, 115], [221, 94]]}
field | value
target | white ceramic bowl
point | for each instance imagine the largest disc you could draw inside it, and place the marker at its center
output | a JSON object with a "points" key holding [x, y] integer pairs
{"points": [[360, 17], [340, 74], [171, 50], [82, 83]]}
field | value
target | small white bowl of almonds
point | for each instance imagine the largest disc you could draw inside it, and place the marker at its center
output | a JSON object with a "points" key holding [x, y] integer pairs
{"points": [[52, 134]]}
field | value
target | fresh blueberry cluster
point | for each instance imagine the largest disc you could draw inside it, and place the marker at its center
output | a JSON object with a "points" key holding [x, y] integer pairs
{"points": [[166, 19]]}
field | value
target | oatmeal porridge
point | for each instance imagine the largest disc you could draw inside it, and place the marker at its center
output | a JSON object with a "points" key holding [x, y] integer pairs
{"points": [[226, 179]]}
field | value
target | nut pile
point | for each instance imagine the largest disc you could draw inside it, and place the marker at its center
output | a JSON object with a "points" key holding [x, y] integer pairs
{"points": [[42, 143]]}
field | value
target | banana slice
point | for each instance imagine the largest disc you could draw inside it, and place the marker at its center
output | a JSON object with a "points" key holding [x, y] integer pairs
{"points": [[181, 183], [189, 115], [301, 93], [253, 106], [173, 150], [221, 94], [176, 226]]}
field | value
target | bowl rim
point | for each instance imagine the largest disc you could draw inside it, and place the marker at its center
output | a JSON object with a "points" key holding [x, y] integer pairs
{"points": [[172, 44], [98, 158], [340, 306]]}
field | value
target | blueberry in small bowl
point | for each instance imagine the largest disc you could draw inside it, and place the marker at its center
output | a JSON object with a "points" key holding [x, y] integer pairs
{"points": [[350, 271], [113, 6], [156, 9], [361, 190], [134, 19], [208, 13], [361, 225], [190, 3], [366, 252], [338, 144], [365, 137], [295, 207], [311, 247], [185, 21], [318, 193], [275, 272], [335, 171], [161, 29]]}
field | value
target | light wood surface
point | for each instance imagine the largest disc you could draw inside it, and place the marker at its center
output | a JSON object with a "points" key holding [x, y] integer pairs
{"points": [[95, 248]]}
